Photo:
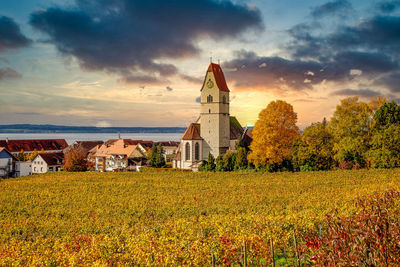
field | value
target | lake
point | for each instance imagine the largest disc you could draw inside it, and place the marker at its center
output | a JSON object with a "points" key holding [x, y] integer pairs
{"points": [[72, 137]]}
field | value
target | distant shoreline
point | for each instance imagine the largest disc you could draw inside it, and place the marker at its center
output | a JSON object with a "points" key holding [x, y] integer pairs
{"points": [[41, 129]]}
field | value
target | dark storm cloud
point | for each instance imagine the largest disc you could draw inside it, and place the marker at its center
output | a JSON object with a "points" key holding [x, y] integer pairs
{"points": [[8, 73], [279, 73], [357, 92], [339, 7], [388, 6], [254, 71], [134, 35], [391, 81], [379, 32], [10, 35], [192, 79], [364, 50]]}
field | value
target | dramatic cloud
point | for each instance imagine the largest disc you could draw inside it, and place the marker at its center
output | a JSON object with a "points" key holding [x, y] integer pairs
{"points": [[276, 74], [388, 6], [10, 35], [339, 7], [357, 92], [127, 37], [364, 51], [191, 79], [8, 73], [391, 81]]}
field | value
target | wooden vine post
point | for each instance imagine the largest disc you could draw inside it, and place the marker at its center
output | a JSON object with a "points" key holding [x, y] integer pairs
{"points": [[271, 241], [295, 248]]}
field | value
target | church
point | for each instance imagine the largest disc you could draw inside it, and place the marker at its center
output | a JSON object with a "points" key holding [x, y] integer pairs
{"points": [[215, 131]]}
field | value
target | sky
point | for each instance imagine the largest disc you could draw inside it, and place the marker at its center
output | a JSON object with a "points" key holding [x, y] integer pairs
{"points": [[142, 62]]}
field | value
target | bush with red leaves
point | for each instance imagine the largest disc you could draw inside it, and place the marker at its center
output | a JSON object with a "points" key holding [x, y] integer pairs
{"points": [[371, 237]]}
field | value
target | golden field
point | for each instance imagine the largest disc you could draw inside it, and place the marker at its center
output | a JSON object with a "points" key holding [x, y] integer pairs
{"points": [[171, 217]]}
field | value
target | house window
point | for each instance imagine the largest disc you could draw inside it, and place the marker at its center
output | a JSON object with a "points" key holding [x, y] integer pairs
{"points": [[224, 99], [187, 151], [197, 151], [209, 99]]}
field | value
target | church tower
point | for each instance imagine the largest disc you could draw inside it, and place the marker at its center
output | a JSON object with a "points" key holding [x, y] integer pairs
{"points": [[214, 116]]}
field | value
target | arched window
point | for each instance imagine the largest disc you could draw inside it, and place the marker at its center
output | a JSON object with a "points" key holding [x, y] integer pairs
{"points": [[187, 151], [209, 110], [197, 151], [209, 99], [224, 99]]}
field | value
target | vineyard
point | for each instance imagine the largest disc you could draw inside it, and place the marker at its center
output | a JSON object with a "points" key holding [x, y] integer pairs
{"points": [[182, 218]]}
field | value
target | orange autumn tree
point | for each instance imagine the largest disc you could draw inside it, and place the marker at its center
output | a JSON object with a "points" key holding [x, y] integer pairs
{"points": [[76, 160], [274, 134]]}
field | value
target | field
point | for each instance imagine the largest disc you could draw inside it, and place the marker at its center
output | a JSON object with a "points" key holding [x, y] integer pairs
{"points": [[172, 217]]}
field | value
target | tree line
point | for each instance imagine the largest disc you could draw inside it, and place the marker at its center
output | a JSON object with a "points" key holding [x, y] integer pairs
{"points": [[359, 135]]}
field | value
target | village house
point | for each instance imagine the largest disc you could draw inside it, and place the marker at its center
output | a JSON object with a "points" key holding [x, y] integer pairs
{"points": [[7, 163], [23, 168], [28, 146], [47, 162], [170, 148], [215, 131], [120, 155]]}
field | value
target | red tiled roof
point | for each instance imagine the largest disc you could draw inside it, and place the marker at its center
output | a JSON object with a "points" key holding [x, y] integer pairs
{"points": [[192, 132], [168, 143], [52, 158], [219, 76], [32, 144]]}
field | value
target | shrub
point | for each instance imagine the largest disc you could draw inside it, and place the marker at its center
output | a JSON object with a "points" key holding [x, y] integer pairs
{"points": [[371, 237]]}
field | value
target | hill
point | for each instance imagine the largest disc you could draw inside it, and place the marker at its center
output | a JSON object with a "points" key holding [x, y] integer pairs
{"points": [[172, 217]]}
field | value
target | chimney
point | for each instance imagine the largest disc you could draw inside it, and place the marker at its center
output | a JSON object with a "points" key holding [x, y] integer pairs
{"points": [[119, 135], [7, 140]]}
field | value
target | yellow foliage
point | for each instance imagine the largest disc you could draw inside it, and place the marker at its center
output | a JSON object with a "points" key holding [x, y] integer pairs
{"points": [[274, 134], [169, 218]]}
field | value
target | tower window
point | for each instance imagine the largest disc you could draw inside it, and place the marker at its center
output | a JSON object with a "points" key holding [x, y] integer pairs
{"points": [[197, 151], [209, 110], [224, 99], [209, 99], [187, 151]]}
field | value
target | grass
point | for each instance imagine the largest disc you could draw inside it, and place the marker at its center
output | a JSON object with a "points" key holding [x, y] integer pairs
{"points": [[170, 217]]}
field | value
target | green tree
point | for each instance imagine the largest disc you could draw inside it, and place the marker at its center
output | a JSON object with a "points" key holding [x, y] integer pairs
{"points": [[156, 156], [160, 160], [241, 159], [388, 113], [152, 156], [314, 150], [385, 148], [210, 163], [229, 160], [350, 127], [219, 164]]}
